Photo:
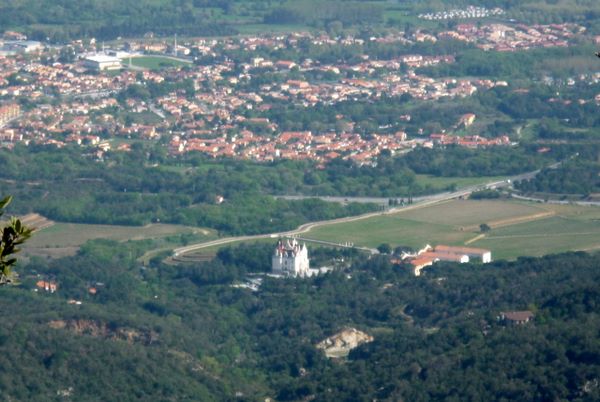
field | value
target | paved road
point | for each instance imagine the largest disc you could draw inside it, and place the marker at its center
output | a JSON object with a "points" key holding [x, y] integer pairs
{"points": [[385, 200], [419, 202], [95, 94], [156, 111], [307, 227], [560, 202], [342, 245]]}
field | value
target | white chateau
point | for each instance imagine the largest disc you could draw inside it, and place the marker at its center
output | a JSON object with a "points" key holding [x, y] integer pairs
{"points": [[291, 259]]}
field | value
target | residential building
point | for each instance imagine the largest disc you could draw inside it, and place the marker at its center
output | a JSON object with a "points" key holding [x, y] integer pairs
{"points": [[516, 317], [8, 112]]}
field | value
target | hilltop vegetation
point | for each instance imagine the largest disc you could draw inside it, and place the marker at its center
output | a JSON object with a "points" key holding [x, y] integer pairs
{"points": [[147, 187], [108, 19], [161, 332], [68, 19]]}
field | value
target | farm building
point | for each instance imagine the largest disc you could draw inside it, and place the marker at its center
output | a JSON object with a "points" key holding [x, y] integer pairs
{"points": [[481, 254], [429, 255]]}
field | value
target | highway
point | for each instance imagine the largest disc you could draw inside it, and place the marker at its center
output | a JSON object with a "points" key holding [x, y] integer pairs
{"points": [[385, 200], [420, 202]]}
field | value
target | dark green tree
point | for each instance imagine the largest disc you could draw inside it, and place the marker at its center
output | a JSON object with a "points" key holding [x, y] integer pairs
{"points": [[14, 233], [384, 248]]}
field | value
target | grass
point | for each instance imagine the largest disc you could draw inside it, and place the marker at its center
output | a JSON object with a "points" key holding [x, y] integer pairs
{"points": [[64, 239], [573, 228], [147, 118], [552, 235], [253, 29], [443, 182], [570, 228], [395, 230], [75, 234], [154, 62]]}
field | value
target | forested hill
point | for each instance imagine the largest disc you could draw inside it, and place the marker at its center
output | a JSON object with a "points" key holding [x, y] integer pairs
{"points": [[166, 333], [146, 186], [61, 20], [68, 19]]}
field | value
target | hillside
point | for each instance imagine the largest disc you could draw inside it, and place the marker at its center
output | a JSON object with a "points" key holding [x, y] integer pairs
{"points": [[109, 19], [165, 333]]}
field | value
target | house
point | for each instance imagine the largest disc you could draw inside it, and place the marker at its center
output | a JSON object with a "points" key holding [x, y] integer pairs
{"points": [[516, 317], [419, 263], [467, 119], [8, 112], [47, 286]]}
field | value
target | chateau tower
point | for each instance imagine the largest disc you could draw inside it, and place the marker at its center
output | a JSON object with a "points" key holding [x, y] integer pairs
{"points": [[290, 258]]}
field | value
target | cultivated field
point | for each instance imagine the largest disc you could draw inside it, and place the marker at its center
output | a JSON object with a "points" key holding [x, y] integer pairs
{"points": [[63, 239], [571, 228], [517, 228]]}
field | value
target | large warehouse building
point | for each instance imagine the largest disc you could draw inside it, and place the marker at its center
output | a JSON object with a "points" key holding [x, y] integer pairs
{"points": [[101, 62]]}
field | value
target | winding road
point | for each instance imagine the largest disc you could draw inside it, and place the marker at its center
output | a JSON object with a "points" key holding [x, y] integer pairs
{"points": [[420, 202], [307, 227]]}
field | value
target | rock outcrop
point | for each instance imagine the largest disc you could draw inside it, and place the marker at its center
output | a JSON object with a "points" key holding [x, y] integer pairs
{"points": [[340, 344], [104, 330]]}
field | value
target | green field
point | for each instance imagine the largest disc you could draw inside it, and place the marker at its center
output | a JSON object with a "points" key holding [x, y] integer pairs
{"points": [[574, 228], [517, 228], [63, 239], [154, 62]]}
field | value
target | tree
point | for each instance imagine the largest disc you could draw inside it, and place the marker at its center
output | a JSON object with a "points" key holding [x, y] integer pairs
{"points": [[484, 228], [13, 234], [384, 248]]}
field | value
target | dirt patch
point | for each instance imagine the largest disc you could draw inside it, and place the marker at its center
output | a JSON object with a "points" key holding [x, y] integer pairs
{"points": [[190, 258], [340, 344], [104, 330], [50, 252], [36, 221], [474, 239], [512, 221]]}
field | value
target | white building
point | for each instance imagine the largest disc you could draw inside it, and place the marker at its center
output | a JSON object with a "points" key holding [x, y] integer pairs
{"points": [[290, 259], [485, 256], [23, 46], [101, 62]]}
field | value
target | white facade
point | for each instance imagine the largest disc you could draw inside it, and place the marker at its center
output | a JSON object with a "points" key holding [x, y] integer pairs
{"points": [[486, 257], [290, 259], [102, 62], [23, 46]]}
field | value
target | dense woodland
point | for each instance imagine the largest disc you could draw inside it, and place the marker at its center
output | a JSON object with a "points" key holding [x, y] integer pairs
{"points": [[107, 19], [146, 186], [576, 177], [165, 333]]}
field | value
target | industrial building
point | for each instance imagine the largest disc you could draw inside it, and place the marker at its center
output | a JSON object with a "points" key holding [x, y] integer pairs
{"points": [[23, 46], [102, 62]]}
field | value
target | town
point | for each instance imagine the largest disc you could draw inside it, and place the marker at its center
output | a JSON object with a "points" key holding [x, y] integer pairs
{"points": [[103, 98]]}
